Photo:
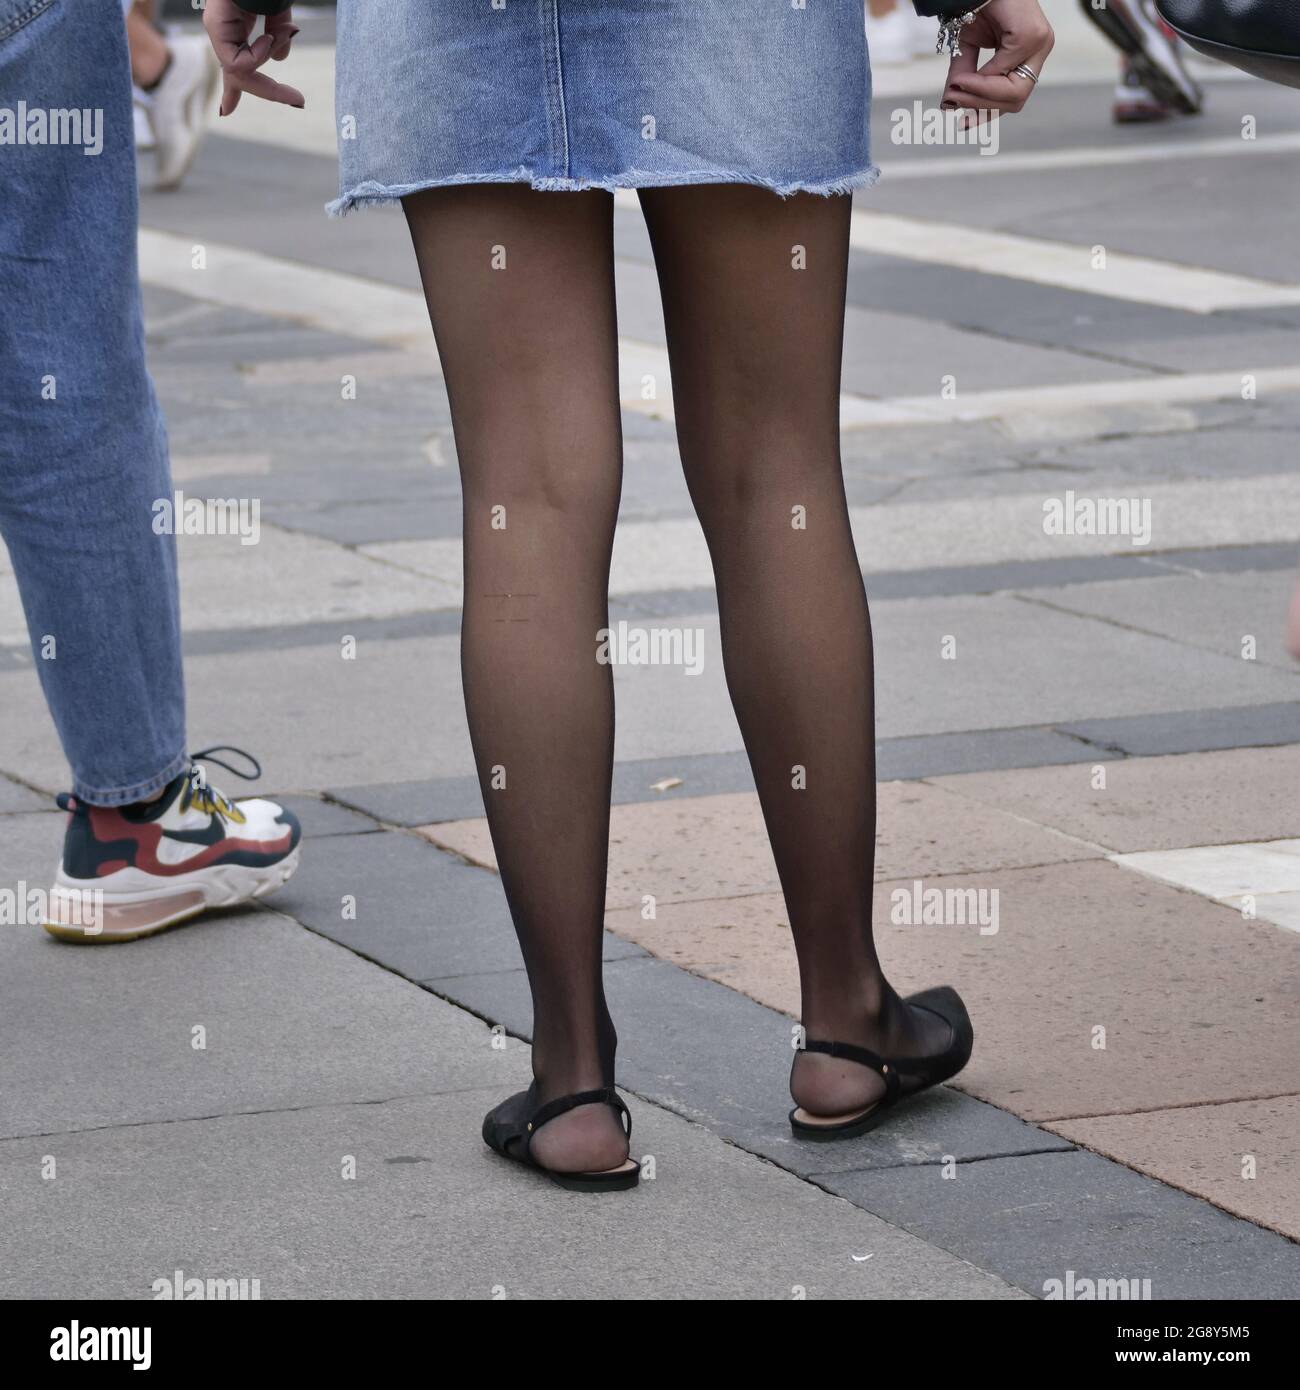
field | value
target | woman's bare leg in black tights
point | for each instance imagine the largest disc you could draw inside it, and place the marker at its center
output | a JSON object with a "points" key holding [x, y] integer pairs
{"points": [[753, 288], [520, 287]]}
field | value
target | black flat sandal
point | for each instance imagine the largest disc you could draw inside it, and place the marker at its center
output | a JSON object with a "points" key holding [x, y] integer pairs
{"points": [[509, 1129], [898, 1073]]}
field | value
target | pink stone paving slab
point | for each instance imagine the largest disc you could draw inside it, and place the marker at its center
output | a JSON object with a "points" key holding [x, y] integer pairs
{"points": [[716, 847], [1206, 1149], [1153, 803], [1196, 1004]]}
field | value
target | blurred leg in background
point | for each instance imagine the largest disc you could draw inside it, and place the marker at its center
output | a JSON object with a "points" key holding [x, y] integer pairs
{"points": [[176, 79], [1154, 81]]}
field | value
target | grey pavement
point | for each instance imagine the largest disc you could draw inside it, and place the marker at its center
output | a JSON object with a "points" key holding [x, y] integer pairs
{"points": [[294, 1094]]}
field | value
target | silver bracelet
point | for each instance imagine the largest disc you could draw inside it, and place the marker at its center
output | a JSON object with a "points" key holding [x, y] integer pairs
{"points": [[950, 30]]}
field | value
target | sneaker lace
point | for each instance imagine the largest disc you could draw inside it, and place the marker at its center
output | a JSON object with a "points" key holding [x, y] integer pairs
{"points": [[208, 798]]}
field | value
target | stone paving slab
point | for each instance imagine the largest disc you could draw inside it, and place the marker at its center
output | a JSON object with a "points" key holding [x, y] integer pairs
{"points": [[977, 750], [1201, 447], [408, 518], [1020, 663], [321, 819], [1185, 209], [1208, 1149], [1004, 307], [716, 846], [1261, 881], [288, 578], [1220, 613], [15, 797], [100, 1036], [365, 631], [1153, 803], [1240, 350], [1033, 1219], [417, 910], [934, 756], [1194, 1003], [1234, 558], [670, 552], [437, 800], [432, 1214], [1193, 729], [898, 354], [414, 803], [310, 425], [723, 1061], [1099, 475], [394, 713]]}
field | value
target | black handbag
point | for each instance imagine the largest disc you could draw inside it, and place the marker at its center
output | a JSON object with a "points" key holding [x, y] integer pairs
{"points": [[1262, 37]]}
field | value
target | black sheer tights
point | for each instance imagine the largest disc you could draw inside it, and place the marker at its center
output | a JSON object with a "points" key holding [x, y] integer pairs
{"points": [[520, 288]]}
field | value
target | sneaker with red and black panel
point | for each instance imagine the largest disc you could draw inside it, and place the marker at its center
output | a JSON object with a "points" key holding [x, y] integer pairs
{"points": [[130, 871]]}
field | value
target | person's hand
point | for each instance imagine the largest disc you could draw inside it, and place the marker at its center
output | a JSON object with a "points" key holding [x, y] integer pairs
{"points": [[1019, 34], [228, 28]]}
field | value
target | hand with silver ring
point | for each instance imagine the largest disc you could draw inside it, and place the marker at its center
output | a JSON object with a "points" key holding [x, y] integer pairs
{"points": [[1021, 39]]}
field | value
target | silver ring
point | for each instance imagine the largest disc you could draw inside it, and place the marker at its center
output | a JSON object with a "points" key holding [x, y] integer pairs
{"points": [[1024, 70]]}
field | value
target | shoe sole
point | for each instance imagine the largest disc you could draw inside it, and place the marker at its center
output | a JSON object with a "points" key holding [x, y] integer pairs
{"points": [[1140, 115], [826, 1134], [599, 1182], [221, 887]]}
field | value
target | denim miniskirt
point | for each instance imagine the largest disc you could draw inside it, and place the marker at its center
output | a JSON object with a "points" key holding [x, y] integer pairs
{"points": [[575, 94]]}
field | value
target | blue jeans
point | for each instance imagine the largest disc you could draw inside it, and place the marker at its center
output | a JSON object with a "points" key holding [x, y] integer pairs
{"points": [[83, 449]]}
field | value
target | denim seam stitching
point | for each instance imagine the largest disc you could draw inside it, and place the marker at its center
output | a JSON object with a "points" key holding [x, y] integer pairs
{"points": [[559, 83], [556, 126], [24, 17], [100, 796]]}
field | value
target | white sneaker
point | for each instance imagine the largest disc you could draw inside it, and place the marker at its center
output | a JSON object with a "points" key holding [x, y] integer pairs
{"points": [[181, 105]]}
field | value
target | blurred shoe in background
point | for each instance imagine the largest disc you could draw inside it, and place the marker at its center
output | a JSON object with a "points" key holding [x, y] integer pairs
{"points": [[1135, 103], [1153, 51], [899, 34], [181, 105]]}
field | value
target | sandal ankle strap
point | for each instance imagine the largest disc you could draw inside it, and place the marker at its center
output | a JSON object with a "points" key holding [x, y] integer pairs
{"points": [[561, 1105], [864, 1057]]}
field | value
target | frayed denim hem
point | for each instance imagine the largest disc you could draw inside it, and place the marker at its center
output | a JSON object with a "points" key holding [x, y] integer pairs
{"points": [[371, 194], [127, 796]]}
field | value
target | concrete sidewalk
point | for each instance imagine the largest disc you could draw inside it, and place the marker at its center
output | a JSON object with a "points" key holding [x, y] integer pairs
{"points": [[1108, 753], [247, 1100]]}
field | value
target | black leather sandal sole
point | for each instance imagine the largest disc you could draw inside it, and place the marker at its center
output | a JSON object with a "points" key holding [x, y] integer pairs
{"points": [[932, 1070], [508, 1130]]}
